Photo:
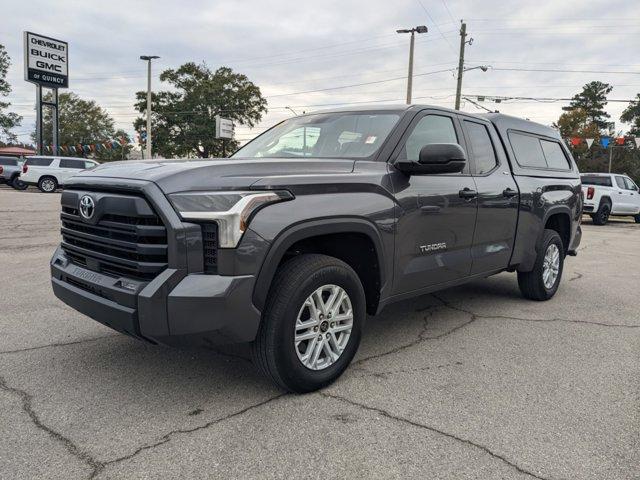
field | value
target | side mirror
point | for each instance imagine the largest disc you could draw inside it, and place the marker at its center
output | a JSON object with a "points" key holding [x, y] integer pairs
{"points": [[436, 158]]}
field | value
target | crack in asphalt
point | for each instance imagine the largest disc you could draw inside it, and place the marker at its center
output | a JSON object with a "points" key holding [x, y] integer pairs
{"points": [[100, 466], [385, 374], [27, 407], [576, 277], [430, 428], [539, 320], [422, 335], [59, 344]]}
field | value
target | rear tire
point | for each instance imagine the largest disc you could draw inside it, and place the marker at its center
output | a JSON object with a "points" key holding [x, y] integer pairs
{"points": [[542, 282], [47, 184], [275, 350], [602, 215], [18, 184]]}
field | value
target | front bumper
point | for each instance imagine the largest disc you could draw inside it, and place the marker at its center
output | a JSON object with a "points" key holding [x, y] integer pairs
{"points": [[172, 309]]}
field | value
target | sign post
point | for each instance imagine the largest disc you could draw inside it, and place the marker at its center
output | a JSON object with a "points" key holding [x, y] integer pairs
{"points": [[224, 130], [46, 63]]}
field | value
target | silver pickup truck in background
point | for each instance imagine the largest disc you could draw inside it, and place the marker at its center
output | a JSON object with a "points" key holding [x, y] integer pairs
{"points": [[10, 169]]}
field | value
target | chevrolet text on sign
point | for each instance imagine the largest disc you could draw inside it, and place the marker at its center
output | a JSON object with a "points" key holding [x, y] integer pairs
{"points": [[46, 61]]}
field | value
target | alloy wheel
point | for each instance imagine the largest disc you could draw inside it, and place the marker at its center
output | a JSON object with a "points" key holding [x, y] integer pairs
{"points": [[551, 266], [323, 327]]}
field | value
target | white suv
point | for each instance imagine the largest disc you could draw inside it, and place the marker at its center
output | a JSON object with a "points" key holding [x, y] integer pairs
{"points": [[49, 173], [610, 194]]}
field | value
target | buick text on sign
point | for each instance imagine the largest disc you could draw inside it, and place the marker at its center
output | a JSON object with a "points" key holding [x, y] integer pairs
{"points": [[46, 61]]}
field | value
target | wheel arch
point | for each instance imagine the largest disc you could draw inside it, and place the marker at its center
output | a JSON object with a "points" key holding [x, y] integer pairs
{"points": [[320, 230], [559, 219]]}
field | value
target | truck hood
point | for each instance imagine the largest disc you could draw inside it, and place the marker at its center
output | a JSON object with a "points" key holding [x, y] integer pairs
{"points": [[219, 173]]}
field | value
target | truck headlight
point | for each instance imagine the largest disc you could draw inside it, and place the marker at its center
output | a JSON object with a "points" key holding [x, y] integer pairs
{"points": [[232, 211]]}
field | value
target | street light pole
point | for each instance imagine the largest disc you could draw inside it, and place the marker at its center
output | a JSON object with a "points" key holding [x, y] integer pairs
{"points": [[148, 58], [410, 74], [412, 31]]}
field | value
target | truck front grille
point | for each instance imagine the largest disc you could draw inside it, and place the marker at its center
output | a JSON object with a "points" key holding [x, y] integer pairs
{"points": [[132, 245]]}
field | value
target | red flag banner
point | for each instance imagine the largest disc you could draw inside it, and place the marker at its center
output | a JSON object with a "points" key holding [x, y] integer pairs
{"points": [[620, 141]]}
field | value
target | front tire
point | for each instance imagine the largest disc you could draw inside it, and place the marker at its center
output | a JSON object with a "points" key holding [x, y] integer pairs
{"points": [[312, 323], [47, 184], [601, 217], [542, 282]]}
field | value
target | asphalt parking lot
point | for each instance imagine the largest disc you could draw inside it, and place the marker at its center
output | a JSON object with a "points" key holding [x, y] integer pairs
{"points": [[472, 382]]}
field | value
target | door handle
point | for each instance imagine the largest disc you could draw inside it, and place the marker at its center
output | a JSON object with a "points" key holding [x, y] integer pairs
{"points": [[509, 192], [467, 193]]}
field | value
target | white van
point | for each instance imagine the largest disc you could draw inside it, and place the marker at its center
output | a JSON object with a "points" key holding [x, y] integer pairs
{"points": [[49, 173]]}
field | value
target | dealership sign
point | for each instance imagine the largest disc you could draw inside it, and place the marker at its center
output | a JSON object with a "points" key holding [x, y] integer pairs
{"points": [[224, 127], [46, 61]]}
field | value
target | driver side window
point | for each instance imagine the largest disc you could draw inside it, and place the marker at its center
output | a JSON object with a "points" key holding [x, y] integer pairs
{"points": [[430, 129], [630, 185]]}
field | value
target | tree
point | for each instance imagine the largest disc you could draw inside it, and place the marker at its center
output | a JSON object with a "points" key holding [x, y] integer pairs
{"points": [[631, 115], [592, 100], [83, 122], [8, 120], [183, 118], [576, 123]]}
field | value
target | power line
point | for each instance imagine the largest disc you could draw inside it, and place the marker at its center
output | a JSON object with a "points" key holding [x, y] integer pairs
{"points": [[448, 11], [544, 99], [502, 69], [357, 84], [435, 25]]}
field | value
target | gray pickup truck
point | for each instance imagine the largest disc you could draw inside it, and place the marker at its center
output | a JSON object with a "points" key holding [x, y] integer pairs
{"points": [[316, 223], [10, 169]]}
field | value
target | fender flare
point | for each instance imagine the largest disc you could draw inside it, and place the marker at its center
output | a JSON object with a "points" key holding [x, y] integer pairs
{"points": [[563, 209], [307, 229], [605, 198]]}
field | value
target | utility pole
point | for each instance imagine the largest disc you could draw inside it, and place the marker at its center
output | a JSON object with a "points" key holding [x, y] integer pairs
{"points": [[610, 157], [148, 58], [412, 31], [463, 42]]}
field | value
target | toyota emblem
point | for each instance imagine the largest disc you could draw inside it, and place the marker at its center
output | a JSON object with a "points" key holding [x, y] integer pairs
{"points": [[87, 207]]}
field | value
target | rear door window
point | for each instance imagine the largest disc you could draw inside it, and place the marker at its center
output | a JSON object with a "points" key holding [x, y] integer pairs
{"points": [[554, 155], [38, 161], [597, 180], [527, 150], [482, 147], [620, 183], [69, 163]]}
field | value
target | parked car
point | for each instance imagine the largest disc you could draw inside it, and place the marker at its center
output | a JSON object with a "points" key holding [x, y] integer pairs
{"points": [[314, 224], [607, 194], [49, 173], [10, 168]]}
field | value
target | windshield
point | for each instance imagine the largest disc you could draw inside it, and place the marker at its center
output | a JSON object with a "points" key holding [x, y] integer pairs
{"points": [[331, 135]]}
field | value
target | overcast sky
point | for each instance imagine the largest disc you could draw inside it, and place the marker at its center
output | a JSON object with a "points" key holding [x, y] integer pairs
{"points": [[287, 47]]}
